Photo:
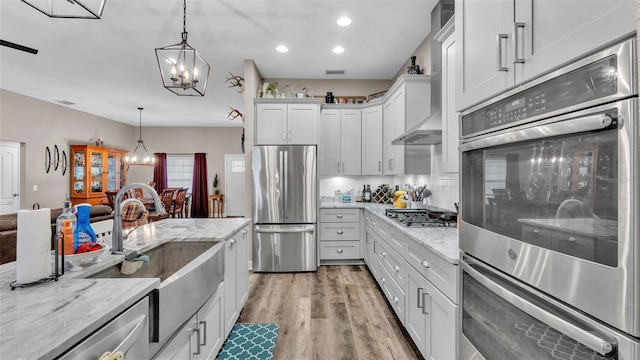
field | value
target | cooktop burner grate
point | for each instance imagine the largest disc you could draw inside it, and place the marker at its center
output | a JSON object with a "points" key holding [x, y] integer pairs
{"points": [[416, 218]]}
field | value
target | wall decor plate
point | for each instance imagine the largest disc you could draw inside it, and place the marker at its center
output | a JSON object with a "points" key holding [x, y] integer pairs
{"points": [[64, 162], [47, 159], [56, 157]]}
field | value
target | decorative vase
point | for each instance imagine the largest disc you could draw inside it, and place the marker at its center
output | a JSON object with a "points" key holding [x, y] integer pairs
{"points": [[329, 99], [413, 68]]}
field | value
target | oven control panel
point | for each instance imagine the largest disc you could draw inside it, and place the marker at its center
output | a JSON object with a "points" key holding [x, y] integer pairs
{"points": [[593, 81]]}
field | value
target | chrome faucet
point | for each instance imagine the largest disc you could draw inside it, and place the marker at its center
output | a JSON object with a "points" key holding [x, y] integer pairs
{"points": [[116, 234]]}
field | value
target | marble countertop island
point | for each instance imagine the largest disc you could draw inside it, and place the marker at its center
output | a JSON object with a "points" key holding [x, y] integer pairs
{"points": [[441, 240], [43, 321]]}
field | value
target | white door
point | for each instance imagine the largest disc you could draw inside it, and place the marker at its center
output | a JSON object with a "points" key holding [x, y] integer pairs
{"points": [[234, 185], [9, 177]]}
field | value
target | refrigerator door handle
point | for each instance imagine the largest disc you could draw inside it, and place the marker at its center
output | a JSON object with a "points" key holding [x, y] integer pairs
{"points": [[284, 181], [288, 230]]}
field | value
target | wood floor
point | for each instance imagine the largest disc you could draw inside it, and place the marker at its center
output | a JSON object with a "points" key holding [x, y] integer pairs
{"points": [[335, 313]]}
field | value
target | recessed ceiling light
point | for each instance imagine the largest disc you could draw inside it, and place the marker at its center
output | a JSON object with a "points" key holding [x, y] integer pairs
{"points": [[282, 49], [344, 21], [338, 50]]}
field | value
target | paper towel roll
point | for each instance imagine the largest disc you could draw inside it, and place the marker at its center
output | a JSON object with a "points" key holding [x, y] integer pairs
{"points": [[33, 252]]}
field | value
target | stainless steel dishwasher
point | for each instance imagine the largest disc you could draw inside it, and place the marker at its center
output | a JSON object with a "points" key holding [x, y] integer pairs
{"points": [[127, 333]]}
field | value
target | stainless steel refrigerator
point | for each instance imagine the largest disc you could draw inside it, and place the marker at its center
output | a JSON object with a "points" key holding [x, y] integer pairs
{"points": [[284, 208]]}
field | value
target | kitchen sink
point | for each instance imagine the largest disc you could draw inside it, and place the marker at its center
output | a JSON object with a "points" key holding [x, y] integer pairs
{"points": [[189, 272]]}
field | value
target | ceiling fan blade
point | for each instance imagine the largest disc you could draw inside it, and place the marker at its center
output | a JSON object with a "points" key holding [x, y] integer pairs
{"points": [[18, 47]]}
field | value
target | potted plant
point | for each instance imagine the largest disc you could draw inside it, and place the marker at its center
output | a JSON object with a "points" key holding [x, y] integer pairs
{"points": [[215, 185]]}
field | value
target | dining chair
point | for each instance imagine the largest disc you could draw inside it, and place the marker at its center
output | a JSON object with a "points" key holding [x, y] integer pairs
{"points": [[136, 193], [111, 195], [178, 205], [167, 199]]}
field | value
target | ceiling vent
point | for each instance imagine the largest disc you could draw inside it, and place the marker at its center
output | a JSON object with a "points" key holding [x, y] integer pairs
{"points": [[65, 102], [334, 72]]}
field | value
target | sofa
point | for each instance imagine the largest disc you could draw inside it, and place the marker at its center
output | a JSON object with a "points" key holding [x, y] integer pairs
{"points": [[9, 225]]}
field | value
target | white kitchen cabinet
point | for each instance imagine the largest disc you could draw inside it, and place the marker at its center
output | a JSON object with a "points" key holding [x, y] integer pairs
{"points": [[340, 146], [407, 103], [450, 135], [236, 277], [294, 123], [202, 336], [339, 234], [431, 318], [504, 43], [372, 140]]}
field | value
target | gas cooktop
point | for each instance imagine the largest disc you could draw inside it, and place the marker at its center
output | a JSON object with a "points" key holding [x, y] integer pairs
{"points": [[420, 217]]}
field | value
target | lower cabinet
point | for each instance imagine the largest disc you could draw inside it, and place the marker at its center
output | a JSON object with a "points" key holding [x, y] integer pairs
{"points": [[202, 336], [236, 277], [340, 234], [431, 318]]}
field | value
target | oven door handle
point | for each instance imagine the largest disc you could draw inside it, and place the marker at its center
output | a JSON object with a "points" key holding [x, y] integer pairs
{"points": [[588, 339], [564, 127]]}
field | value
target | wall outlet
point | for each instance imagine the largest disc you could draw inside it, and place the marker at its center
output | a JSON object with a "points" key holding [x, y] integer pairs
{"points": [[35, 188]]}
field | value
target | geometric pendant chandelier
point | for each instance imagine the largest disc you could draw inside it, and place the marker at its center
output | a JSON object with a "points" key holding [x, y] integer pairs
{"points": [[140, 156], [69, 9], [183, 70]]}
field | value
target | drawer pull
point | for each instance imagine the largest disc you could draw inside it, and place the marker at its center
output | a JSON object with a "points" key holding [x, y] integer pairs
{"points": [[340, 251], [383, 254], [535, 232], [232, 241], [396, 299], [339, 216], [340, 232], [397, 268], [384, 280], [571, 239], [425, 264]]}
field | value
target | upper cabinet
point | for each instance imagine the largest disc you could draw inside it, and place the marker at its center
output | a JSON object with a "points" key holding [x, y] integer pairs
{"points": [[450, 135], [94, 170], [372, 140], [294, 122], [340, 142], [504, 43]]}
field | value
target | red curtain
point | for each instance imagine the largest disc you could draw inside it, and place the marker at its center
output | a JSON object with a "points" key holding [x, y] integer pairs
{"points": [[199, 195], [160, 171]]}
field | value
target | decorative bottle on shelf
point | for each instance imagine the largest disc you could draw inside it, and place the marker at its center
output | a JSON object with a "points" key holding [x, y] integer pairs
{"points": [[83, 232], [65, 226], [364, 193], [413, 68], [367, 195], [329, 99]]}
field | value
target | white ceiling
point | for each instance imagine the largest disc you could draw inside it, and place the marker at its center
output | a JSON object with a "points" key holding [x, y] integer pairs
{"points": [[108, 67]]}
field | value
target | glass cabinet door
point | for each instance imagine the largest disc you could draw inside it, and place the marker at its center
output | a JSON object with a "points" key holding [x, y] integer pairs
{"points": [[112, 172], [97, 185], [78, 172]]}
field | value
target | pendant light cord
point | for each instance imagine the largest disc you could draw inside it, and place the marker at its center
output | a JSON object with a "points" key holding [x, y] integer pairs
{"points": [[184, 17], [140, 140]]}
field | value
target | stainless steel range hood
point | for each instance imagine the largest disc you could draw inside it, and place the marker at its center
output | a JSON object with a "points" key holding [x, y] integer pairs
{"points": [[429, 130]]}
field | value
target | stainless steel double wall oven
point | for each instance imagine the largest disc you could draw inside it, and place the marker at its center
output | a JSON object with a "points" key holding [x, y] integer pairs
{"points": [[549, 235]]}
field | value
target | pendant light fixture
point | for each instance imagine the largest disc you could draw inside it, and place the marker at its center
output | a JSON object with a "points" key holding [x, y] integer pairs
{"points": [[69, 9], [140, 156], [184, 71]]}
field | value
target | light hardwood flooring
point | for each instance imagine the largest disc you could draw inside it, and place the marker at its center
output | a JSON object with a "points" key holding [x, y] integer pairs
{"points": [[335, 313]]}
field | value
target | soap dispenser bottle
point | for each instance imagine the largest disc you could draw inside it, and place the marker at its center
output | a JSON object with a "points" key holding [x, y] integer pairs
{"points": [[83, 233], [65, 228]]}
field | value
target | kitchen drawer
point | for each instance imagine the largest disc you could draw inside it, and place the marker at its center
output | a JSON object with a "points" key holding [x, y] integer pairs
{"points": [[393, 262], [339, 215], [381, 227], [536, 235], [575, 245], [339, 231], [396, 240], [369, 219], [441, 273], [391, 290], [339, 250]]}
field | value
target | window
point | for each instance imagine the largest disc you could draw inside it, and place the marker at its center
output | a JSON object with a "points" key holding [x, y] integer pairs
{"points": [[495, 172], [237, 166], [180, 171]]}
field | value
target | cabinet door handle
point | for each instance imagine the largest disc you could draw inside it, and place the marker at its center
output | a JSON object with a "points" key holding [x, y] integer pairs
{"points": [[284, 136], [425, 264], [397, 268], [379, 166], [340, 251], [204, 332], [197, 331], [374, 247], [516, 26], [289, 135], [424, 303], [343, 167], [420, 290], [389, 164], [338, 166], [340, 232], [500, 38]]}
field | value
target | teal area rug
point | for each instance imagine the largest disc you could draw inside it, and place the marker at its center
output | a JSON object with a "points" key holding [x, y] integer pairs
{"points": [[250, 342]]}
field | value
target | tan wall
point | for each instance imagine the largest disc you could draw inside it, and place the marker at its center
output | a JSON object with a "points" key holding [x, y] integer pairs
{"points": [[37, 124], [423, 58], [252, 80], [340, 88], [215, 142]]}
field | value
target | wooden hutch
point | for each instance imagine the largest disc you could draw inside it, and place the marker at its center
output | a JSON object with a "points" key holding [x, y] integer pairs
{"points": [[94, 170]]}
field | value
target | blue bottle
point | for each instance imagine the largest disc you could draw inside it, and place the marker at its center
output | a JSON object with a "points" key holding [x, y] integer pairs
{"points": [[83, 233]]}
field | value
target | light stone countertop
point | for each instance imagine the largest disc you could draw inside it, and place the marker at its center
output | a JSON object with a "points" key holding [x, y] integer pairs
{"points": [[443, 241], [43, 321]]}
